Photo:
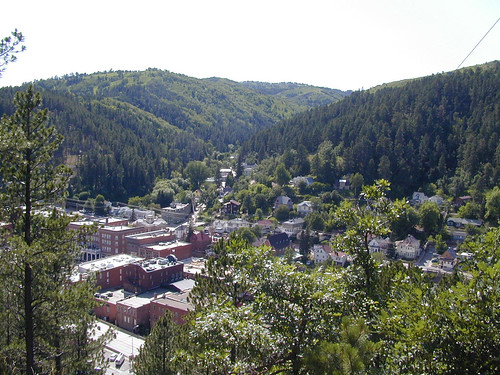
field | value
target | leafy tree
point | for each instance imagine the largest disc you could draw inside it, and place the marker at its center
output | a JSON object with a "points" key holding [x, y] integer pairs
{"points": [[493, 204], [246, 234], [430, 217], [100, 205], [38, 260], [282, 175], [357, 181], [454, 332], [470, 210], [197, 172], [282, 213], [10, 46], [371, 216]]}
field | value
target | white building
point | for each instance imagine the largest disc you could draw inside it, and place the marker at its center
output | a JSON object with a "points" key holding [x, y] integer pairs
{"points": [[409, 248], [304, 208]]}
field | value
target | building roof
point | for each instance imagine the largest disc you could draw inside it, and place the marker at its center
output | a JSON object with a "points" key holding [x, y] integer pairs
{"points": [[107, 263], [155, 264], [279, 240]]}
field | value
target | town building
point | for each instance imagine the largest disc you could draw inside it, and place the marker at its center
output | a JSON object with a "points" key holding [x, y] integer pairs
{"points": [[293, 227], [283, 200], [304, 208], [176, 212], [409, 248], [379, 244], [136, 241], [279, 242], [176, 303], [149, 274], [112, 239], [180, 249], [108, 271], [323, 253], [231, 208]]}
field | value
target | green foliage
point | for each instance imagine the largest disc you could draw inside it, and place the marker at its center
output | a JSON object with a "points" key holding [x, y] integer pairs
{"points": [[493, 205], [157, 355], [352, 354], [371, 216], [10, 46], [282, 213], [281, 175], [197, 172], [440, 130], [430, 217], [42, 314], [470, 210], [451, 329]]}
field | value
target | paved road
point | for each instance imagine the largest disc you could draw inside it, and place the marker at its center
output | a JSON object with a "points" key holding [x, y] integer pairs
{"points": [[123, 342]]}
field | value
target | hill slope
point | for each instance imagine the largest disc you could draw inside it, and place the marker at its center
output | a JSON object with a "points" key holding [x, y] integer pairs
{"points": [[124, 129], [443, 128]]}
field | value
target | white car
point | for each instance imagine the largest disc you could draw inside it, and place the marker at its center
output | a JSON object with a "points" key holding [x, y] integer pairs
{"points": [[112, 357]]}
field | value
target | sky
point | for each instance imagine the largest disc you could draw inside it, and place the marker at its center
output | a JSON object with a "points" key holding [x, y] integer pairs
{"points": [[341, 44]]}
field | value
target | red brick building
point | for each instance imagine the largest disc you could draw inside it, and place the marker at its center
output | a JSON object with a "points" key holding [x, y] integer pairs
{"points": [[109, 271], [112, 239], [135, 241], [175, 302], [149, 274], [132, 313], [200, 242], [181, 250]]}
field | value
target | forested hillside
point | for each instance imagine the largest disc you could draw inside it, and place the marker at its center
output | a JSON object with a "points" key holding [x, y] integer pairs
{"points": [[124, 129], [441, 129]]}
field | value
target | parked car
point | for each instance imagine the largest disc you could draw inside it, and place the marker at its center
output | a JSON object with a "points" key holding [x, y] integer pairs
{"points": [[119, 360]]}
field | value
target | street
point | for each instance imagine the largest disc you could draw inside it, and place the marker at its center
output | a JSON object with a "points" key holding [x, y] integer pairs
{"points": [[123, 342]]}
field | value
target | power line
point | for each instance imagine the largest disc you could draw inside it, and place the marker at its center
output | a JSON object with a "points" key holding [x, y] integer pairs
{"points": [[478, 43]]}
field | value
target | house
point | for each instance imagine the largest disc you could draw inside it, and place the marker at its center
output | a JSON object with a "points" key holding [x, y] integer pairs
{"points": [[296, 181], [436, 199], [448, 260], [322, 253], [409, 248], [279, 242], [304, 208], [283, 200], [231, 208], [418, 198], [293, 227], [266, 226], [379, 244], [458, 222], [235, 224], [344, 184], [461, 201]]}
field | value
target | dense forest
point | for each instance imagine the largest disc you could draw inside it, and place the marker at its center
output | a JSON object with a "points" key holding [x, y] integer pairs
{"points": [[441, 129], [124, 129]]}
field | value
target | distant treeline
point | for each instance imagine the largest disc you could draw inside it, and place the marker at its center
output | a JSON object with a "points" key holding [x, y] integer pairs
{"points": [[441, 129]]}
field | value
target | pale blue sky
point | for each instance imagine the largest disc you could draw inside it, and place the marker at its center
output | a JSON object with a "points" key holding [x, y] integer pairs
{"points": [[347, 44]]}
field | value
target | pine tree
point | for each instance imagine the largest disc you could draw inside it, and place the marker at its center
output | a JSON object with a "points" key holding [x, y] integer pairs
{"points": [[36, 263], [157, 354]]}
